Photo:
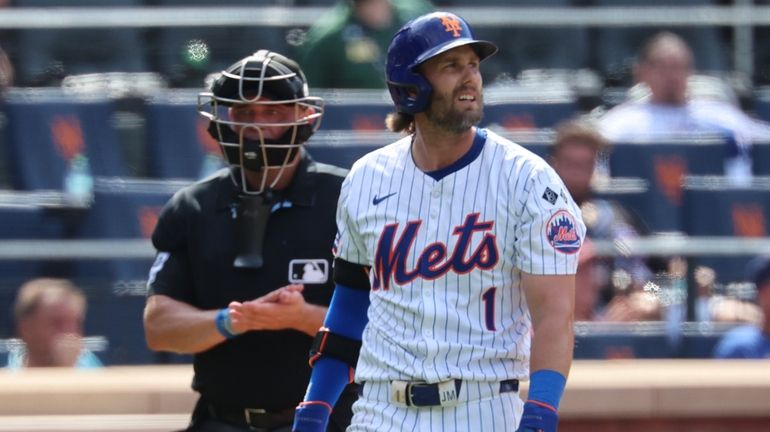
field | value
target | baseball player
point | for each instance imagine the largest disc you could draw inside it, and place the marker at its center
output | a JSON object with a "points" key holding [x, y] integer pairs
{"points": [[455, 259]]}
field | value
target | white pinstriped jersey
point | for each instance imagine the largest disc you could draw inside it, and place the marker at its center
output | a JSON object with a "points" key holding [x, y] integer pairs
{"points": [[445, 257]]}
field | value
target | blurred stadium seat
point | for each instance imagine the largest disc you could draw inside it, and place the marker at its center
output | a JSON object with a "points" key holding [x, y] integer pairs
{"points": [[532, 115], [712, 206], [356, 113], [762, 103], [342, 148], [760, 156], [614, 340], [665, 165], [47, 128], [530, 104]]}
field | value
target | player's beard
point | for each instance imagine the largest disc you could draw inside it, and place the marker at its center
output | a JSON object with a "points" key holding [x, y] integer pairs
{"points": [[442, 113]]}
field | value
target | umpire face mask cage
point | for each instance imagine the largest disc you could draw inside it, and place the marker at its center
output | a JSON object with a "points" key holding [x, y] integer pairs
{"points": [[417, 42], [256, 84]]}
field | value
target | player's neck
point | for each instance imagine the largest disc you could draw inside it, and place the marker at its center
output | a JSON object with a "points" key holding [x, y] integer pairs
{"points": [[434, 149]]}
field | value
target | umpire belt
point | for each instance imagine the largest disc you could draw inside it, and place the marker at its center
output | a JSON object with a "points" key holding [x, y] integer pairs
{"points": [[256, 419], [445, 393]]}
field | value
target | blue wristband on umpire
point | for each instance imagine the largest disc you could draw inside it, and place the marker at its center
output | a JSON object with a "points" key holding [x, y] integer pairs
{"points": [[311, 416], [224, 326], [538, 417]]}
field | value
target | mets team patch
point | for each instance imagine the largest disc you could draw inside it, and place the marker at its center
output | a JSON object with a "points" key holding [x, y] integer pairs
{"points": [[561, 232]]}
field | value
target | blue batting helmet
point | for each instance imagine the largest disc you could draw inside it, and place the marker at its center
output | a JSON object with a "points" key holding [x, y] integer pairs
{"points": [[417, 42]]}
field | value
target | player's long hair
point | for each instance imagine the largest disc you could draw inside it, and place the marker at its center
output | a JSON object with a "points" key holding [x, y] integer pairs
{"points": [[400, 122]]}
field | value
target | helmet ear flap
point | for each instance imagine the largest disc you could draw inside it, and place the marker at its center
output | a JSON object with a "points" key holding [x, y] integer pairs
{"points": [[413, 98]]}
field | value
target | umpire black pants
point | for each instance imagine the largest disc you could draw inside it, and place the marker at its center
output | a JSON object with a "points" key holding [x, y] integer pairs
{"points": [[203, 421]]}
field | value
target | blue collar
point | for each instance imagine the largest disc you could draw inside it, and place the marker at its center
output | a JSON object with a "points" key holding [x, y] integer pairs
{"points": [[465, 160]]}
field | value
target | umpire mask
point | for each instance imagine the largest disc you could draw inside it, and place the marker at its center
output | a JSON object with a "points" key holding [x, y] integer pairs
{"points": [[253, 85]]}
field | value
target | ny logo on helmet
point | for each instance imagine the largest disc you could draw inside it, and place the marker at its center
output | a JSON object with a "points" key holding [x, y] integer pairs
{"points": [[451, 24]]}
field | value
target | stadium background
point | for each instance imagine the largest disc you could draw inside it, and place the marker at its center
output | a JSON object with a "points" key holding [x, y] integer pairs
{"points": [[116, 81]]}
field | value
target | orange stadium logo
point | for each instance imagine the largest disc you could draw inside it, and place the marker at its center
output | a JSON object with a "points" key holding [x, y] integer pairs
{"points": [[519, 122], [368, 122], [669, 173], [451, 24], [148, 218], [748, 220], [67, 135]]}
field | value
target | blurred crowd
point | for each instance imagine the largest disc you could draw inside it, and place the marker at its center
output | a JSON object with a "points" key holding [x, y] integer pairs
{"points": [[352, 36]]}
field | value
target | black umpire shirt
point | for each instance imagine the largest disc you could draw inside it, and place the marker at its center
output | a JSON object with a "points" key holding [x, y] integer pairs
{"points": [[197, 228]]}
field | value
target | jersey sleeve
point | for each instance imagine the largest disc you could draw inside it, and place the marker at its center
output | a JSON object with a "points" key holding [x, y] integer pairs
{"points": [[348, 244], [171, 270], [550, 228]]}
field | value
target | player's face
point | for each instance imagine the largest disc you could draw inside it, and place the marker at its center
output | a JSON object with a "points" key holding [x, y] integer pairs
{"points": [[270, 119], [457, 103]]}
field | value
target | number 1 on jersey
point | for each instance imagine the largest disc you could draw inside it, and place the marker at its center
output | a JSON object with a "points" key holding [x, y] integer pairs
{"points": [[489, 308]]}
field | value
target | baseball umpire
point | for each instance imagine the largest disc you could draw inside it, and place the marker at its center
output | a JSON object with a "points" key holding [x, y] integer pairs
{"points": [[455, 259], [242, 274]]}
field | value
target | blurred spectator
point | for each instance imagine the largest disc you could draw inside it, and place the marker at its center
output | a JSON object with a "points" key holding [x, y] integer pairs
{"points": [[751, 341], [710, 305], [588, 284], [574, 157], [346, 47], [49, 316], [670, 108]]}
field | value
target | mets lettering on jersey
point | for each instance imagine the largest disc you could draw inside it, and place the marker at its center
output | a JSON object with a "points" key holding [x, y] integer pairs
{"points": [[447, 253], [391, 260]]}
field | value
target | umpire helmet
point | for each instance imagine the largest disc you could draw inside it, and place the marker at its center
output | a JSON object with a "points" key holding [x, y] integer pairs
{"points": [[417, 42], [264, 74]]}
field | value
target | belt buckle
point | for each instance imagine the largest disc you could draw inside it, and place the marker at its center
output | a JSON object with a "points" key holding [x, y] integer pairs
{"points": [[400, 392], [248, 412], [446, 394]]}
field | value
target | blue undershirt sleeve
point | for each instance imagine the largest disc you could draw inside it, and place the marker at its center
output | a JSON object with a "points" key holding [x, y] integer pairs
{"points": [[347, 316]]}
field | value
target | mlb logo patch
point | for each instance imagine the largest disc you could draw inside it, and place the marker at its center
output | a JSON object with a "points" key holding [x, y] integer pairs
{"points": [[308, 271], [550, 196], [561, 232]]}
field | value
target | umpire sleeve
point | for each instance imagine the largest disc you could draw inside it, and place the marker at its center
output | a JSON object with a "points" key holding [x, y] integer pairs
{"points": [[171, 273]]}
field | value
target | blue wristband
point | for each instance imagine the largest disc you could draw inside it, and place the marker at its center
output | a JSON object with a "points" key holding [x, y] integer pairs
{"points": [[224, 326], [547, 386]]}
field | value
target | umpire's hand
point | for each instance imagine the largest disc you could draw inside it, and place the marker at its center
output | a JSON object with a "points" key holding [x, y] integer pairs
{"points": [[277, 310]]}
